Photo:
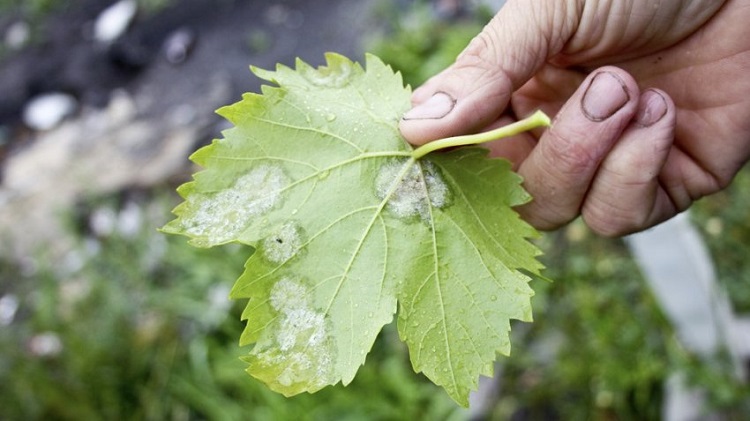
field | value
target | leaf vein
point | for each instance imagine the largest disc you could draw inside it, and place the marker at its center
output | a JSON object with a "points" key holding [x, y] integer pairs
{"points": [[310, 129]]}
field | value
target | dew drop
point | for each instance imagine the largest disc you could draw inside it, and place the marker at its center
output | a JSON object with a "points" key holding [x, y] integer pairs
{"points": [[324, 174], [370, 315], [493, 297], [330, 117]]}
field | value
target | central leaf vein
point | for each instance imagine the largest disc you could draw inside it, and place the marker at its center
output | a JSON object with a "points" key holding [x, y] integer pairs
{"points": [[368, 228], [438, 281]]}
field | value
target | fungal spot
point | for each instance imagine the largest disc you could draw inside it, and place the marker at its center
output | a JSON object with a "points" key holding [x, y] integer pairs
{"points": [[411, 194], [283, 244], [295, 350], [287, 294], [216, 218], [335, 75]]}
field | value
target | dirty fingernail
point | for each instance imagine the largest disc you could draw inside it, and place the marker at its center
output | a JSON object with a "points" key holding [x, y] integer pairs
{"points": [[651, 108], [437, 107], [605, 95]]}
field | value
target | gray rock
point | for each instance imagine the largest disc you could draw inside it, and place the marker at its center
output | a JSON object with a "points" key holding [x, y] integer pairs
{"points": [[17, 35], [46, 111], [178, 45], [113, 21]]}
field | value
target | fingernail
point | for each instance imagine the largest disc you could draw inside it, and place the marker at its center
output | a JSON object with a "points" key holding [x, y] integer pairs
{"points": [[651, 108], [437, 107], [605, 95]]}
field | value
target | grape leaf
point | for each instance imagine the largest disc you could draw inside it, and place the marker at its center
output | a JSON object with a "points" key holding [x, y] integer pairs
{"points": [[346, 223]]}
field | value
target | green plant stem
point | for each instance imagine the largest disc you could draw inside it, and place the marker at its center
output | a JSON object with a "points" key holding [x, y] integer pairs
{"points": [[538, 119]]}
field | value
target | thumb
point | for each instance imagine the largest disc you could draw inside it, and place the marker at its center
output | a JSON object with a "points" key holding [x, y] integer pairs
{"points": [[475, 90]]}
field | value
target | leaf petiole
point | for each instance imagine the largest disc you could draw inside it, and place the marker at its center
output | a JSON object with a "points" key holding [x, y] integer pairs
{"points": [[538, 119]]}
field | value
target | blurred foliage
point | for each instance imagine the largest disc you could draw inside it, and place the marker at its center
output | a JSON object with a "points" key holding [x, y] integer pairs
{"points": [[31, 8], [154, 6], [420, 45], [598, 336], [600, 347], [725, 222], [136, 325]]}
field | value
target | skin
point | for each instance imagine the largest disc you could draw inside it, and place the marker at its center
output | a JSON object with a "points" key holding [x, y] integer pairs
{"points": [[651, 102]]}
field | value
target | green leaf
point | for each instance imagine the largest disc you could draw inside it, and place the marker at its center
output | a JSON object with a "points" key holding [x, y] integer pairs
{"points": [[346, 223]]}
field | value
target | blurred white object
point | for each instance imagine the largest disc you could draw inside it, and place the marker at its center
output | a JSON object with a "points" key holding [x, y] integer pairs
{"points": [[102, 221], [46, 111], [178, 45], [680, 272], [114, 20], [681, 275], [683, 403], [130, 220], [46, 344], [17, 35], [8, 309]]}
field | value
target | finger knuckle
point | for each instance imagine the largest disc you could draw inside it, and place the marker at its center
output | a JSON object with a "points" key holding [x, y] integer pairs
{"points": [[611, 221], [568, 155], [482, 51]]}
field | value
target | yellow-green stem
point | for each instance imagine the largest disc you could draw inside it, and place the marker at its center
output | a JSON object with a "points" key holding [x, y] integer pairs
{"points": [[538, 119]]}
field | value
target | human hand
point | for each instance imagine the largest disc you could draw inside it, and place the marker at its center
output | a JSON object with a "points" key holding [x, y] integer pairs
{"points": [[651, 104]]}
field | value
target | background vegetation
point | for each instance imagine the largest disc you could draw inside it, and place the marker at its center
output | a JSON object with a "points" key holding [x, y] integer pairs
{"points": [[137, 325]]}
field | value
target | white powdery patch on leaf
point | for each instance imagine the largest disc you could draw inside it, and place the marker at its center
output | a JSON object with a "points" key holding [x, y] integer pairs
{"points": [[419, 188], [217, 218], [297, 345], [283, 245], [336, 76], [288, 294]]}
